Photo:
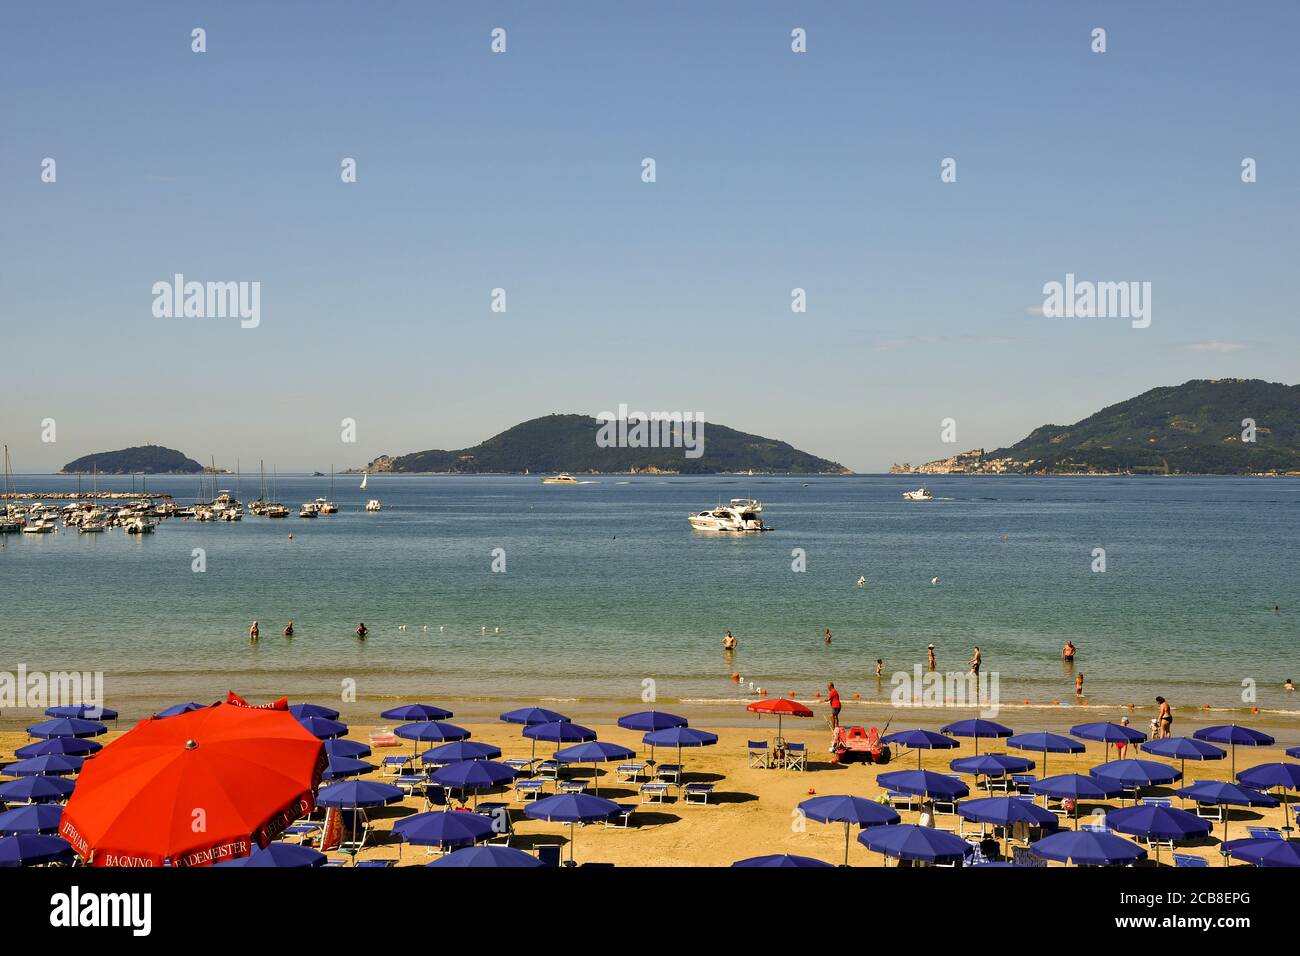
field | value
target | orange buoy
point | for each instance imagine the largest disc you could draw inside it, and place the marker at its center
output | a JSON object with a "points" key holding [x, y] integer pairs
{"points": [[791, 693], [1026, 700], [735, 677], [857, 696]]}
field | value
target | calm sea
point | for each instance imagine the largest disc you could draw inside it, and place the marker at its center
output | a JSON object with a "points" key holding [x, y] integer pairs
{"points": [[606, 586]]}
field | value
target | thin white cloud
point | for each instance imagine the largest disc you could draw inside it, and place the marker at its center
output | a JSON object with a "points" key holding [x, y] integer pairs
{"points": [[1220, 347]]}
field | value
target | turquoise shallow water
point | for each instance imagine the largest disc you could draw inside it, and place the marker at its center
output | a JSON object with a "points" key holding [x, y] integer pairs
{"points": [[606, 586]]}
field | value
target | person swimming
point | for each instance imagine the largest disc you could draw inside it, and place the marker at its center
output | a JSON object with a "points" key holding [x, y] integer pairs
{"points": [[1288, 685]]}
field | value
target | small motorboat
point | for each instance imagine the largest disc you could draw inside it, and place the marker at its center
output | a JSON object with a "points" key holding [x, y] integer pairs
{"points": [[919, 495], [374, 505], [560, 479]]}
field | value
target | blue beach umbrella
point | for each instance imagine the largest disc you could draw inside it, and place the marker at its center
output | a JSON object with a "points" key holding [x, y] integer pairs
{"points": [[923, 783], [783, 861], [594, 752], [72, 746], [417, 712], [1088, 848], [1047, 743], [323, 728], [528, 716], [473, 776], [680, 737], [571, 808], [498, 857], [358, 794], [85, 711], [648, 720], [339, 768], [444, 828], [1267, 852], [50, 765], [177, 709], [1137, 773], [1157, 823], [67, 727], [1107, 733], [313, 710], [849, 810], [1235, 736], [31, 849], [1183, 749], [920, 740], [427, 730], [1076, 787], [906, 841], [338, 747], [33, 818], [1293, 752], [279, 855], [1005, 812], [978, 728], [1214, 791], [558, 732], [1266, 776], [991, 765], [41, 789], [459, 750]]}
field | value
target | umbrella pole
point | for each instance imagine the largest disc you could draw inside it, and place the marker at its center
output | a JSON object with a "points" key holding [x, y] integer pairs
{"points": [[846, 842]]}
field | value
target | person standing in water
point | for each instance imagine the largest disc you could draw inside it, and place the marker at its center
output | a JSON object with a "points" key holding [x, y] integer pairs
{"points": [[1067, 652], [1164, 718], [828, 635], [288, 629], [253, 634], [361, 631], [1078, 684], [728, 642], [974, 663], [929, 654], [880, 668]]}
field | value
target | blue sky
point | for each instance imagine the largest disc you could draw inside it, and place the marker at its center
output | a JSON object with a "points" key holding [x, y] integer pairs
{"points": [[522, 171]]}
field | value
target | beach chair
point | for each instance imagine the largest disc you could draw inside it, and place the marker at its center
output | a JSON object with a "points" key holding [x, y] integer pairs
{"points": [[549, 854], [1157, 802], [629, 772], [571, 786], [412, 784], [622, 817], [395, 765], [522, 765], [1023, 781], [698, 792], [669, 773], [947, 806], [376, 864], [760, 754], [356, 831], [530, 789], [896, 799], [796, 756], [434, 796], [653, 792], [1264, 833], [977, 854], [549, 769], [1187, 860], [305, 832], [1210, 811], [998, 784], [1094, 827]]}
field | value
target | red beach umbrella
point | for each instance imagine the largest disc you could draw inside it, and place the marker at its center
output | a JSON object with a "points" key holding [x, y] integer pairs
{"points": [[782, 707], [194, 789]]}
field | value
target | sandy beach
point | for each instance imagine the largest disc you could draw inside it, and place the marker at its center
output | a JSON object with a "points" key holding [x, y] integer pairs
{"points": [[751, 811]]}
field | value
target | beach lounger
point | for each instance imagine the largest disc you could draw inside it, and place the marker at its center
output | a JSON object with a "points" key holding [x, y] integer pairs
{"points": [[978, 855], [1264, 833], [669, 773], [434, 796], [412, 784], [698, 792], [382, 738], [896, 799], [1023, 781], [1157, 802], [796, 757], [1210, 811], [653, 792], [760, 754], [379, 864], [999, 784], [550, 769], [629, 772], [1094, 827], [303, 831], [395, 765], [522, 765], [622, 817], [530, 789], [335, 861], [549, 854], [1187, 860], [571, 786]]}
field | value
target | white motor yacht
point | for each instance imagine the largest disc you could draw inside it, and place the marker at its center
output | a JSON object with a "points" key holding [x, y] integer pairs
{"points": [[729, 518], [919, 495], [374, 505]]}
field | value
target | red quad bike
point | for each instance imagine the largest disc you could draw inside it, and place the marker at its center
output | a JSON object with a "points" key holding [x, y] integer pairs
{"points": [[858, 743]]}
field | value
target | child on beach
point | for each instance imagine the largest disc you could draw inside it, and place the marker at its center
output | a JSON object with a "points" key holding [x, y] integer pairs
{"points": [[929, 651], [253, 634], [1078, 684], [880, 668]]}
